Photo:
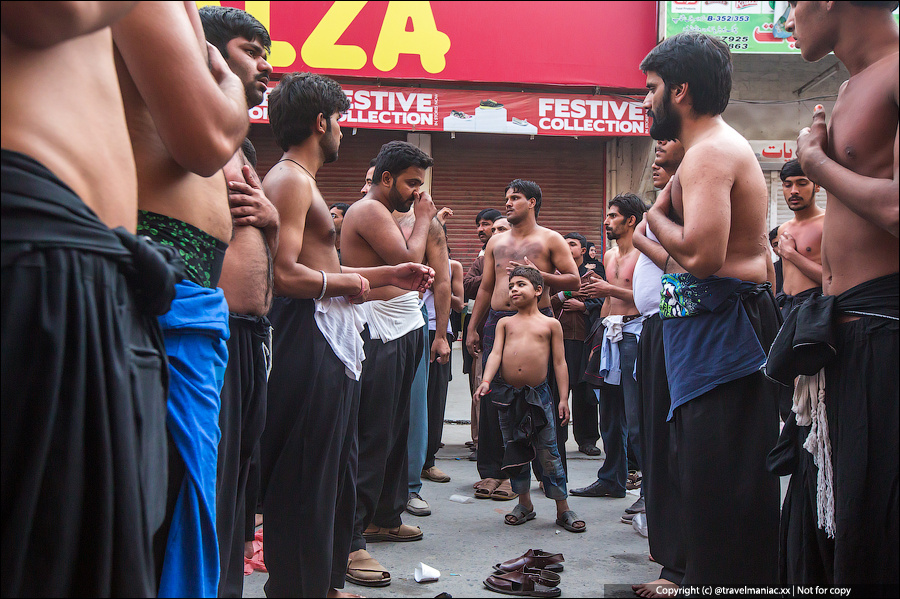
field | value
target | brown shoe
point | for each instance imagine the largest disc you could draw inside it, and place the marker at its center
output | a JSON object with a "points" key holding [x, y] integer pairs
{"points": [[364, 570], [434, 474], [400, 534], [504, 492]]}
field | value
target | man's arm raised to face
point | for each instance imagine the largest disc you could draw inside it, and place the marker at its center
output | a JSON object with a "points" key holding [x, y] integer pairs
{"points": [[44, 24], [701, 244], [439, 258], [376, 225], [872, 198], [198, 105]]}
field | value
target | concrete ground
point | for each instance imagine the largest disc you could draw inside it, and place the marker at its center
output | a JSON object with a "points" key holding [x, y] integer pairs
{"points": [[464, 541]]}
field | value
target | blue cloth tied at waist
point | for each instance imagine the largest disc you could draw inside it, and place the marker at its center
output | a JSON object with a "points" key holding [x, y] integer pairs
{"points": [[195, 331], [708, 335]]}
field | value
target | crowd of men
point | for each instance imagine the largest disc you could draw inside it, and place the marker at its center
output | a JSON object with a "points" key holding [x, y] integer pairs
{"points": [[184, 342]]}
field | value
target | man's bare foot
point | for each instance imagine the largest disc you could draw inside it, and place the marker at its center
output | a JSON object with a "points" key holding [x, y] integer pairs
{"points": [[337, 593], [657, 588]]}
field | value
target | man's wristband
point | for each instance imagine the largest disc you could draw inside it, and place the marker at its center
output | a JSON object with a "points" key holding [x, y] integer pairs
{"points": [[567, 294], [324, 285]]}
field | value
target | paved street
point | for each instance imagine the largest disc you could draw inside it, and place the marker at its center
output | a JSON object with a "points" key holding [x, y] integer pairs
{"points": [[463, 541]]}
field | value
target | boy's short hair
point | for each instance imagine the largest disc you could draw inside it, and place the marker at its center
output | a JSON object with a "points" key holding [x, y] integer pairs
{"points": [[791, 168], [533, 275], [579, 238]]}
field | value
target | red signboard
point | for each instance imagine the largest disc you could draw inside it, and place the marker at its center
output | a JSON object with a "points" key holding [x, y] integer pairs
{"points": [[418, 109], [545, 43]]}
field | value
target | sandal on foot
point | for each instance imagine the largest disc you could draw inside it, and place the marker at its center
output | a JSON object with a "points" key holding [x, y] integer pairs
{"points": [[533, 558], [504, 492], [521, 584], [402, 533], [568, 519], [366, 571], [519, 515], [485, 487]]}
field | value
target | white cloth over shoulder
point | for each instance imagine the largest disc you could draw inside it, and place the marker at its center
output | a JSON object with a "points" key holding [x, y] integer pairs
{"points": [[610, 360], [341, 322], [393, 318]]}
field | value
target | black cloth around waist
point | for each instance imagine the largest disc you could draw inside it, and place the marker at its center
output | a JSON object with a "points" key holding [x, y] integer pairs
{"points": [[40, 212], [807, 343]]}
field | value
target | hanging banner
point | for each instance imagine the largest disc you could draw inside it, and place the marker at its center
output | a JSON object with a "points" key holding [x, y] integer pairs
{"points": [[545, 43], [417, 109], [748, 27]]}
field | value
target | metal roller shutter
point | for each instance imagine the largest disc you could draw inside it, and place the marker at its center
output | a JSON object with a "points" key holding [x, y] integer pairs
{"points": [[472, 170]]}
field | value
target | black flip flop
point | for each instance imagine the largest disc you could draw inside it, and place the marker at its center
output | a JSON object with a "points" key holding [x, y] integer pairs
{"points": [[568, 519]]}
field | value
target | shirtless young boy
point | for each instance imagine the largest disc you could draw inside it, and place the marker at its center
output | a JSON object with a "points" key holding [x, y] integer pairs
{"points": [[524, 344]]}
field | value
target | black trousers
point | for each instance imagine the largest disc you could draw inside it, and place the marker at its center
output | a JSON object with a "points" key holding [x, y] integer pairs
{"points": [[659, 483], [861, 404], [729, 500], [83, 428], [381, 487], [584, 404], [308, 456], [242, 418], [438, 381]]}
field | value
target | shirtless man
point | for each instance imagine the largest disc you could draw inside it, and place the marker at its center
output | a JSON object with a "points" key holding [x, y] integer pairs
{"points": [[247, 283], [73, 288], [183, 202], [799, 239], [338, 210], [855, 157], [530, 244], [719, 317], [393, 341], [501, 225], [309, 445], [619, 400]]}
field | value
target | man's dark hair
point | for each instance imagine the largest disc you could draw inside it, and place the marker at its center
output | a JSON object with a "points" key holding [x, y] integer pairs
{"points": [[249, 152], [581, 239], [296, 103], [490, 214], [221, 24], [340, 206], [529, 189], [791, 168], [397, 156], [701, 61], [530, 273], [629, 205], [773, 234]]}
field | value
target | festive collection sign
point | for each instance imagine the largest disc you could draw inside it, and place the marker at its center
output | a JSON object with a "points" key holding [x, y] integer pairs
{"points": [[417, 109]]}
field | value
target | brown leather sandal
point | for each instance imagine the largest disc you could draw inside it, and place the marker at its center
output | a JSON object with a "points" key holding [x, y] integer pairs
{"points": [[524, 584], [485, 487], [533, 558]]}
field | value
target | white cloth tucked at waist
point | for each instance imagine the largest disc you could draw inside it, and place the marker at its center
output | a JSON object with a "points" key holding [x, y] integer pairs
{"points": [[647, 282], [341, 323], [393, 318], [610, 360]]}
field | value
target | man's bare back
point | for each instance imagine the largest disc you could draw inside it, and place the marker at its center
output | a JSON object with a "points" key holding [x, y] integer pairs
{"points": [[860, 132], [85, 141], [180, 155], [720, 195]]}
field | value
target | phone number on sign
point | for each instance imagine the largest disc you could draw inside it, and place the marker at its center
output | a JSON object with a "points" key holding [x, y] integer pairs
{"points": [[727, 19]]}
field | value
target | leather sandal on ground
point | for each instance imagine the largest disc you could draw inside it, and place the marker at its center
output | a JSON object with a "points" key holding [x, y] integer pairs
{"points": [[485, 487], [521, 584], [533, 558], [568, 519], [366, 571], [402, 533], [519, 515], [504, 492]]}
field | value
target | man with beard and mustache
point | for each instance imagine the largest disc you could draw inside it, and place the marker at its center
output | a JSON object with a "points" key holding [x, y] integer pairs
{"points": [[855, 157], [247, 283], [719, 318], [525, 244], [393, 341], [799, 239], [622, 323], [309, 446]]}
